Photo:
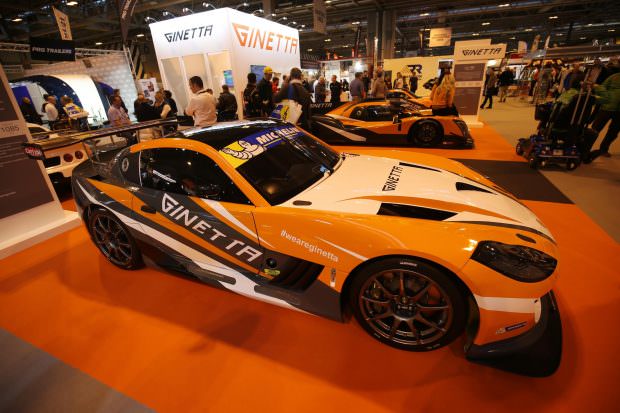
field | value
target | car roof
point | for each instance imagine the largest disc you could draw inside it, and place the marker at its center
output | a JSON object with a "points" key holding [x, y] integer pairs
{"points": [[223, 134]]}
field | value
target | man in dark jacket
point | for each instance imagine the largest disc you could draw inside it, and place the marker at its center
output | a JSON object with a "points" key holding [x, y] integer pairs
{"points": [[251, 98], [294, 90], [335, 89], [30, 113], [265, 91], [505, 79], [226, 105]]}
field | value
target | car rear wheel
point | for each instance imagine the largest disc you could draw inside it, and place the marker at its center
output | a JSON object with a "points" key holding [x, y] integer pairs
{"points": [[426, 133], [113, 240], [408, 304]]}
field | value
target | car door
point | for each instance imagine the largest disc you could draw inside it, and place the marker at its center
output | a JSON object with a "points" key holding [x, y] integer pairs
{"points": [[197, 214], [378, 122]]}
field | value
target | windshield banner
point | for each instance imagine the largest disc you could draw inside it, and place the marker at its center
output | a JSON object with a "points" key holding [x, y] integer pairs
{"points": [[241, 151]]}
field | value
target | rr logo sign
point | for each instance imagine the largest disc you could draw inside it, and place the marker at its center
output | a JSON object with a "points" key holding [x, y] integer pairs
{"points": [[265, 40]]}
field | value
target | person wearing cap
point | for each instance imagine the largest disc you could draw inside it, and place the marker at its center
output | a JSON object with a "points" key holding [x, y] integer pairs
{"points": [[265, 92]]}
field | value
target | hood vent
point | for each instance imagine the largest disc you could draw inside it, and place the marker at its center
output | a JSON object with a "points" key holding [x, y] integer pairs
{"points": [[462, 186], [412, 165], [410, 211]]}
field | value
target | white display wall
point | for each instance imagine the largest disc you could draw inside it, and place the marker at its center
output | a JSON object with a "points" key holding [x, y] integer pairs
{"points": [[211, 43], [112, 69]]}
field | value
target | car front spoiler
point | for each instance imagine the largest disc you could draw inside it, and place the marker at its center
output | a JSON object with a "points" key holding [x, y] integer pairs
{"points": [[536, 353]]}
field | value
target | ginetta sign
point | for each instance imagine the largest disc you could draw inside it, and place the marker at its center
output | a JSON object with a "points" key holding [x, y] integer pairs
{"points": [[479, 52], [189, 34], [254, 37]]}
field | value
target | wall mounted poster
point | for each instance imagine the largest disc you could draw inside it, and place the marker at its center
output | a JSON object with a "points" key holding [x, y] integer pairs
{"points": [[22, 185], [148, 87]]}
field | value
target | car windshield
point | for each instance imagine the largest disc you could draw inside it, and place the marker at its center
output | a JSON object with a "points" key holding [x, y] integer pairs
{"points": [[281, 162]]}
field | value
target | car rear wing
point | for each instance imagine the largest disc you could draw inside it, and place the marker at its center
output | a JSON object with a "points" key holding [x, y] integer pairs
{"points": [[94, 141]]}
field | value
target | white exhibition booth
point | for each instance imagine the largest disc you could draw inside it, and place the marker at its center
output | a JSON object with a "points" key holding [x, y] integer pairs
{"points": [[221, 46]]}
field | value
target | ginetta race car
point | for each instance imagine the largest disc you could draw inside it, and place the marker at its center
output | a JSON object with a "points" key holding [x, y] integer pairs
{"points": [[417, 250], [381, 122], [418, 102]]}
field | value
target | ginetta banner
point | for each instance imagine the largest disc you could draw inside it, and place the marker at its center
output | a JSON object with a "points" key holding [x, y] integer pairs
{"points": [[264, 39], [320, 16], [125, 10], [480, 52], [63, 24]]}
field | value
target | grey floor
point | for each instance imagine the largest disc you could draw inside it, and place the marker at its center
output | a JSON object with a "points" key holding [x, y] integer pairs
{"points": [[33, 381], [595, 188]]}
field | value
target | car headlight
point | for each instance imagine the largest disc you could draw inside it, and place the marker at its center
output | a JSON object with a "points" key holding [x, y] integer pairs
{"points": [[515, 261]]}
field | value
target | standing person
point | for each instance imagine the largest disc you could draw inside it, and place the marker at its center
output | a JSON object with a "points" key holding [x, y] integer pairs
{"points": [[51, 111], [357, 90], [227, 105], [30, 113], [265, 91], [144, 110], [202, 104], [115, 93], [320, 91], [399, 83], [544, 83], [335, 89], [489, 89], [378, 87], [505, 79], [413, 80], [136, 104], [171, 102], [161, 106], [608, 96], [116, 114], [294, 90], [251, 99], [442, 94], [275, 83], [366, 81], [306, 84]]}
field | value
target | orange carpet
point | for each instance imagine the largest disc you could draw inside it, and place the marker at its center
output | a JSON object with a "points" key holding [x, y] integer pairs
{"points": [[180, 346]]}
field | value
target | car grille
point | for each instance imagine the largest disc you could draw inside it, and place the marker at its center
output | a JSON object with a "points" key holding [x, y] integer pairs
{"points": [[53, 161]]}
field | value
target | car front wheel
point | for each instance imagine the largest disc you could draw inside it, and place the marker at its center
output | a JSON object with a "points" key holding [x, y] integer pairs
{"points": [[113, 240], [408, 304], [426, 133]]}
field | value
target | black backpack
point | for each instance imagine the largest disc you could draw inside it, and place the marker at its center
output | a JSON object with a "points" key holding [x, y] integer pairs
{"points": [[252, 102]]}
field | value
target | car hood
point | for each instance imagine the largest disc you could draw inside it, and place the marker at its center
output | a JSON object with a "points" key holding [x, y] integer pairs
{"points": [[385, 186]]}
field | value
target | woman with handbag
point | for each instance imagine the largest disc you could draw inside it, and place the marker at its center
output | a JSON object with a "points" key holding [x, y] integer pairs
{"points": [[490, 89]]}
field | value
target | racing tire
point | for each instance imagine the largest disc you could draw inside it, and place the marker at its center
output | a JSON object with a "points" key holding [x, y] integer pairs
{"points": [[114, 240], [408, 304], [426, 133], [519, 149], [572, 164]]}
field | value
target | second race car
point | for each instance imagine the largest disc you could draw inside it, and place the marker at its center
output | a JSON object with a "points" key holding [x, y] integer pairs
{"points": [[382, 122]]}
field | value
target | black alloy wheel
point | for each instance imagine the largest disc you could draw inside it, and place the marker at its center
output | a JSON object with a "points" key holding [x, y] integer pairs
{"points": [[426, 133], [408, 304], [113, 240]]}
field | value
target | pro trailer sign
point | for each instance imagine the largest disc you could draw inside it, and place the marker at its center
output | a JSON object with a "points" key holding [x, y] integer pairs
{"points": [[52, 49]]}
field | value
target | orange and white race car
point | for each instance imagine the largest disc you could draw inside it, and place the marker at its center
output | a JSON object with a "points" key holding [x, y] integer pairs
{"points": [[395, 122], [420, 102], [419, 250]]}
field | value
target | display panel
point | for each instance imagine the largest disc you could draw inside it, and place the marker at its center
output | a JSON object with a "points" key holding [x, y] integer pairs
{"points": [[176, 82]]}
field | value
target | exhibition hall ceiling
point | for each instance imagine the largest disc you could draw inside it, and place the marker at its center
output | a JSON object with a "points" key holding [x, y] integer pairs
{"points": [[94, 23]]}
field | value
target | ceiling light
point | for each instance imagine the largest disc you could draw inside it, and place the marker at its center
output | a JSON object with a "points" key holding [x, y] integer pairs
{"points": [[560, 34], [294, 22], [328, 1], [504, 5], [166, 13], [328, 40], [425, 14], [513, 38], [302, 26], [528, 30], [309, 50], [140, 35], [486, 23], [244, 4], [356, 23], [583, 38], [17, 20], [149, 19], [282, 18], [72, 3], [611, 30], [187, 10], [589, 24], [207, 5], [475, 34], [427, 30], [258, 11], [553, 17], [98, 44]]}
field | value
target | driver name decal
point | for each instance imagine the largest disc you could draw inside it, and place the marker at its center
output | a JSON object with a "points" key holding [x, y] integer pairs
{"points": [[193, 222], [393, 178], [239, 152]]}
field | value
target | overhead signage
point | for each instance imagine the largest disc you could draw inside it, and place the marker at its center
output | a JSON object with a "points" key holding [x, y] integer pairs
{"points": [[63, 24], [320, 16], [189, 34], [125, 10], [440, 37], [52, 49], [254, 37], [481, 52]]}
